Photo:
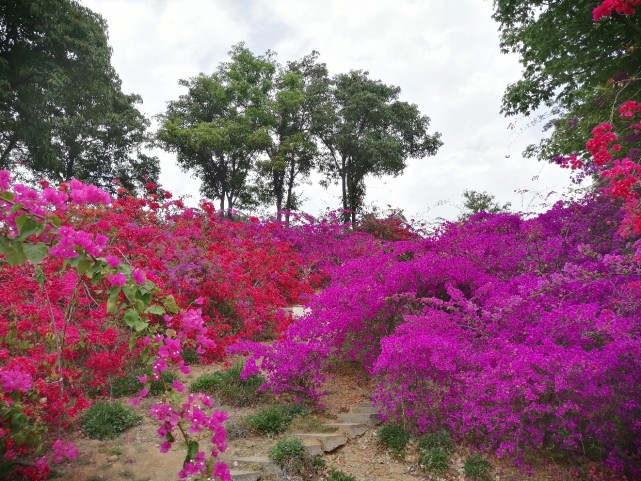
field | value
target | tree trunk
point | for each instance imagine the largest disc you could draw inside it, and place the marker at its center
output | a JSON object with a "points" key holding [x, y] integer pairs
{"points": [[290, 189], [7, 151], [344, 173]]}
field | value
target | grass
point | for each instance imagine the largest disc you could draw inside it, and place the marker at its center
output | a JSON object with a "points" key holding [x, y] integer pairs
{"points": [[439, 439], [107, 420], [394, 437], [273, 420], [229, 387], [477, 468], [291, 455], [335, 475], [434, 459], [310, 424], [129, 385]]}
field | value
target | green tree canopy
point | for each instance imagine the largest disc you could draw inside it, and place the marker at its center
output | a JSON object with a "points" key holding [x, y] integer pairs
{"points": [[576, 67], [300, 94], [368, 131], [62, 111], [475, 202], [220, 126]]}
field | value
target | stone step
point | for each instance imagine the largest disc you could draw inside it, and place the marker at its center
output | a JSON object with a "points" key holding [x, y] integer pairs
{"points": [[238, 475], [360, 418], [329, 441], [364, 404], [264, 464], [363, 410], [353, 430], [313, 446]]}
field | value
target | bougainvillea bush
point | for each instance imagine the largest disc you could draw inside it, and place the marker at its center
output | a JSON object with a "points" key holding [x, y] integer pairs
{"points": [[518, 334], [94, 288]]}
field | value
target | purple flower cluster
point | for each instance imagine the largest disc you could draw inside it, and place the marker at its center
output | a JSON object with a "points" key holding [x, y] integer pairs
{"points": [[515, 334]]}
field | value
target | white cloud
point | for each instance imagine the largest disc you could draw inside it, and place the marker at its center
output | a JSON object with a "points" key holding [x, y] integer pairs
{"points": [[443, 54]]}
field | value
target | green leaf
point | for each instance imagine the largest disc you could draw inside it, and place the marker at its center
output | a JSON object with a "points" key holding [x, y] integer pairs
{"points": [[83, 266], [131, 317], [192, 450], [156, 310], [12, 251], [140, 306], [140, 325], [35, 252], [27, 226], [15, 208], [112, 301], [130, 292], [7, 196], [170, 304], [55, 220]]}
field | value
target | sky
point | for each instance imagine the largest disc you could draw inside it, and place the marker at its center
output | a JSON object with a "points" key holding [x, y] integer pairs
{"points": [[444, 55]]}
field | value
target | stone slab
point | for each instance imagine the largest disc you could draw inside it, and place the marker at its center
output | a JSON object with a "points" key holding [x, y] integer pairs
{"points": [[329, 441]]}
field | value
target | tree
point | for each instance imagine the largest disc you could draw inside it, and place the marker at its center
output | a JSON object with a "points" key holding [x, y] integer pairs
{"points": [[577, 68], [368, 131], [300, 92], [475, 202], [220, 126], [63, 113]]}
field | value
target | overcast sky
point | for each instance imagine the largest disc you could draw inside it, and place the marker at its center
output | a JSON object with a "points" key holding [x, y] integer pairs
{"points": [[443, 54]]}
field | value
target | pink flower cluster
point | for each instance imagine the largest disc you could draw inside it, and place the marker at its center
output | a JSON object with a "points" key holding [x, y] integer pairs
{"points": [[14, 380], [608, 7], [63, 450], [69, 239], [194, 413]]}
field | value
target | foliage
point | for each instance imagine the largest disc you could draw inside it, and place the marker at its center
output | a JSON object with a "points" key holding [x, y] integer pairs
{"points": [[63, 112], [520, 332], [476, 468], [230, 387], [475, 202], [291, 455], [434, 459], [73, 321], [221, 124], [336, 475], [439, 439], [272, 420], [370, 132], [107, 420], [394, 437], [299, 96], [578, 67]]}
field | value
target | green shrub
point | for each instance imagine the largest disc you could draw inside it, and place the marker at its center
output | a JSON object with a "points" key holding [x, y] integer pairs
{"points": [[477, 468], [129, 385], [229, 387], [439, 439], [107, 420], [335, 475], [394, 437], [273, 419], [434, 459], [288, 451]]}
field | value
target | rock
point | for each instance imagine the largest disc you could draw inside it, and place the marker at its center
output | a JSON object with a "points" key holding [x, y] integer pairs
{"points": [[329, 442], [238, 475], [352, 430]]}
